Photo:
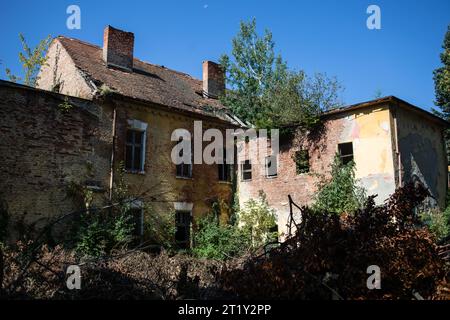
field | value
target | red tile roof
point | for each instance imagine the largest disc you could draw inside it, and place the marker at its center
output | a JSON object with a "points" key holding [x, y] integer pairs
{"points": [[147, 82]]}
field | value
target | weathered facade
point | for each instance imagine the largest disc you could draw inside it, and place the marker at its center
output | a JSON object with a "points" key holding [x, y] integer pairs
{"points": [[98, 109], [390, 141], [45, 148], [138, 107]]}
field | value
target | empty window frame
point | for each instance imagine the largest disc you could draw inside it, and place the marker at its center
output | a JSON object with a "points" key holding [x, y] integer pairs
{"points": [[135, 150], [271, 166], [183, 229], [224, 169], [345, 151], [246, 170], [302, 161]]}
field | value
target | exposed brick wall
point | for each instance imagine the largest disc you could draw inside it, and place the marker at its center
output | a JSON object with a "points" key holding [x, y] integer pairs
{"points": [[61, 75], [301, 187], [213, 79], [43, 149], [118, 47]]}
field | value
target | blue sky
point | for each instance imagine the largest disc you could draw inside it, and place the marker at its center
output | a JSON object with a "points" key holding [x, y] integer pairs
{"points": [[316, 36]]}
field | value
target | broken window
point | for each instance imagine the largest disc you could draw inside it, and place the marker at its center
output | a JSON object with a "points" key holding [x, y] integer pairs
{"points": [[183, 229], [302, 161], [184, 170], [271, 166], [224, 168], [345, 152], [246, 170], [134, 151]]}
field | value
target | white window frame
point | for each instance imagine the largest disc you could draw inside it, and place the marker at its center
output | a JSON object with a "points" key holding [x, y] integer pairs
{"points": [[267, 166], [141, 126]]}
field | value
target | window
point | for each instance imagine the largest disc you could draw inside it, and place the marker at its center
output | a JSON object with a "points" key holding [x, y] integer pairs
{"points": [[135, 146], [345, 152], [184, 170], [135, 150], [271, 166], [224, 168], [302, 161], [246, 170], [183, 229]]}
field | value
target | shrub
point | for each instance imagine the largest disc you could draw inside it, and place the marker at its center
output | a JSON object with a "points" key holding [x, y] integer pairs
{"points": [[329, 256], [101, 232], [258, 221], [214, 240], [437, 222], [160, 228], [341, 193]]}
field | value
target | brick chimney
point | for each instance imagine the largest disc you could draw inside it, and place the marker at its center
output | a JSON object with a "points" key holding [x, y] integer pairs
{"points": [[118, 47], [213, 80]]}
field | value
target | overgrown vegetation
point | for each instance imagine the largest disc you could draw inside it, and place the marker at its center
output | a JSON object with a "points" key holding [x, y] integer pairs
{"points": [[437, 222], [329, 255], [265, 92], [65, 106], [341, 193], [441, 78], [253, 227], [100, 231], [160, 228], [32, 59], [258, 220], [327, 258], [214, 240]]}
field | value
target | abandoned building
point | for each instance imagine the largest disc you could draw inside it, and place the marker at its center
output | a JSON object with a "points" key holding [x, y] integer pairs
{"points": [[390, 141], [97, 109], [124, 112]]}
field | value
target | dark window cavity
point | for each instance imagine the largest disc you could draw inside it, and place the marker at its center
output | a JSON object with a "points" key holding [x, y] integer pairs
{"points": [[246, 170], [302, 161], [224, 168], [183, 229], [345, 152]]}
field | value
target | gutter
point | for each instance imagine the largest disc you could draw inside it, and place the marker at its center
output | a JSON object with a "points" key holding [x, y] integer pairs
{"points": [[113, 148]]}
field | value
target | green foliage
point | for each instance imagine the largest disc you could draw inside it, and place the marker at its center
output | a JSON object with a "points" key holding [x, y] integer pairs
{"points": [[214, 240], [258, 221], [32, 60], [98, 232], [65, 106], [441, 77], [340, 194], [160, 228], [438, 222], [264, 92], [101, 232], [301, 159]]}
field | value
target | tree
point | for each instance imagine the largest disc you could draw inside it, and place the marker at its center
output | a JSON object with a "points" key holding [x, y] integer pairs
{"points": [[340, 194], [265, 92], [32, 60], [259, 221], [442, 86]]}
